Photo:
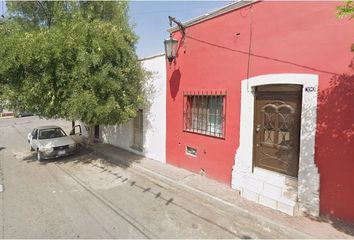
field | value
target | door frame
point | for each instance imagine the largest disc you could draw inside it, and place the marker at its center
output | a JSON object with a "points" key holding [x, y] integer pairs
{"points": [[253, 181]]}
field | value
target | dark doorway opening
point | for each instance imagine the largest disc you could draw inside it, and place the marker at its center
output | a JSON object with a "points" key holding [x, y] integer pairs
{"points": [[97, 131]]}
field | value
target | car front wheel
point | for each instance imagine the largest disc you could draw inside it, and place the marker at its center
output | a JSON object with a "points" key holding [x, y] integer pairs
{"points": [[39, 156]]}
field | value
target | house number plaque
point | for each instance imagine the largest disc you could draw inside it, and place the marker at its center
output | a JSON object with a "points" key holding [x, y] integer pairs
{"points": [[310, 89]]}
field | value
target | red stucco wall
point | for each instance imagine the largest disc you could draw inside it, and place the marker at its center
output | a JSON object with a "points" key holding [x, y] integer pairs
{"points": [[287, 37]]}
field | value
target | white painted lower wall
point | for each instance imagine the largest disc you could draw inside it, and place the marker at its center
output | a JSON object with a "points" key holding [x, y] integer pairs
{"points": [[154, 117]]}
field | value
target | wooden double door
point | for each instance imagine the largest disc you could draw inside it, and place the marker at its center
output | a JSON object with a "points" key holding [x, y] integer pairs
{"points": [[277, 128]]}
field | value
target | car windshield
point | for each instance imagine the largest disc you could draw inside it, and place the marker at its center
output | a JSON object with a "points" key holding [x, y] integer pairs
{"points": [[51, 133]]}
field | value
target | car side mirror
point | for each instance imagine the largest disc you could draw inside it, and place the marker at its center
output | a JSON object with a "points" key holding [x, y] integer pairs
{"points": [[71, 132]]}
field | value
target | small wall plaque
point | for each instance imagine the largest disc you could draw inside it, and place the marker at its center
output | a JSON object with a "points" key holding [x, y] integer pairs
{"points": [[310, 89]]}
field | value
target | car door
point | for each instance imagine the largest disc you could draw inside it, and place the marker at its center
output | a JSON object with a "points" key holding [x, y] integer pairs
{"points": [[34, 139], [30, 136], [76, 134]]}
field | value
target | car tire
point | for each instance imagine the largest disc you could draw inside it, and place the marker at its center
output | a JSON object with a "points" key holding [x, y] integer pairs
{"points": [[39, 156]]}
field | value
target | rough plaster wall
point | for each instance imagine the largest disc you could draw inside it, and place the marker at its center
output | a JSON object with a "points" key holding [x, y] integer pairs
{"points": [[118, 135]]}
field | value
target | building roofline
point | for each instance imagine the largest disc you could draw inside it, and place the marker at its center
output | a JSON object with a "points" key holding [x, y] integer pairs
{"points": [[151, 57], [230, 7]]}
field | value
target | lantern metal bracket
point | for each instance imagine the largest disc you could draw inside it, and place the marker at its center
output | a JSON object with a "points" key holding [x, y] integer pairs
{"points": [[179, 24]]}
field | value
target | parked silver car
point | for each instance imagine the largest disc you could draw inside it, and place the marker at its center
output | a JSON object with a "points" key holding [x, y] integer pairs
{"points": [[50, 142]]}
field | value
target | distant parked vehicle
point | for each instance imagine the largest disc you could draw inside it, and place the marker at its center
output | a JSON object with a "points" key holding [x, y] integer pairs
{"points": [[23, 114], [51, 142]]}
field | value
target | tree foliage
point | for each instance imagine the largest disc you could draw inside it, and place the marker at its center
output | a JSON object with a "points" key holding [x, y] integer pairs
{"points": [[346, 11], [72, 60]]}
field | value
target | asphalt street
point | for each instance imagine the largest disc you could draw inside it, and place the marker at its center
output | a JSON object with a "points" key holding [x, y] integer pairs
{"points": [[84, 196]]}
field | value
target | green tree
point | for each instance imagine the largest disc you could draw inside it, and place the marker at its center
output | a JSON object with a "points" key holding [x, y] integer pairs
{"points": [[71, 60], [347, 10]]}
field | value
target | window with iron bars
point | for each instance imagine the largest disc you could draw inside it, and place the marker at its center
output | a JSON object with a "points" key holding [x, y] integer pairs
{"points": [[204, 114]]}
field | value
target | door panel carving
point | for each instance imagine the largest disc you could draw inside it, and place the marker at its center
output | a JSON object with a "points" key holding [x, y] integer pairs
{"points": [[277, 128]]}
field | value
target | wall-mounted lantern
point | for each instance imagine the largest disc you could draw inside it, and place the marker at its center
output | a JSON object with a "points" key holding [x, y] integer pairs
{"points": [[172, 44], [170, 49]]}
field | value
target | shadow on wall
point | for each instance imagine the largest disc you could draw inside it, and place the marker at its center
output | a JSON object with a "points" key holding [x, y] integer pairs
{"points": [[335, 146], [174, 83]]}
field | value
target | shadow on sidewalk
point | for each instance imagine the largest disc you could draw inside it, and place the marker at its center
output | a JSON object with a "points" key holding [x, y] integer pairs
{"points": [[112, 156], [82, 155], [117, 156], [340, 225], [109, 156]]}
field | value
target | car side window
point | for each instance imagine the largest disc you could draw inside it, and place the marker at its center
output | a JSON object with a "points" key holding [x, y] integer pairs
{"points": [[34, 134]]}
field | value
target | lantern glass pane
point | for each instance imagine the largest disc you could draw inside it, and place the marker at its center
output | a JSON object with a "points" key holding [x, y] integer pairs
{"points": [[170, 47], [167, 47], [174, 47]]}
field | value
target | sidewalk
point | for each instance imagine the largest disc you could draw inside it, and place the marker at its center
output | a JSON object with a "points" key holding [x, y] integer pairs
{"points": [[223, 194]]}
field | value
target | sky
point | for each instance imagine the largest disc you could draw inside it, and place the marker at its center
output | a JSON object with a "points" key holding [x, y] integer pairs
{"points": [[150, 20]]}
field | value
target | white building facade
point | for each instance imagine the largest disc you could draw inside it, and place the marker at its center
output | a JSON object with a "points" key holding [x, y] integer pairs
{"points": [[146, 133]]}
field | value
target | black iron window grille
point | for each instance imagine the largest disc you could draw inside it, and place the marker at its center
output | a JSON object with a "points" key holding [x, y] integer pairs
{"points": [[204, 114]]}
